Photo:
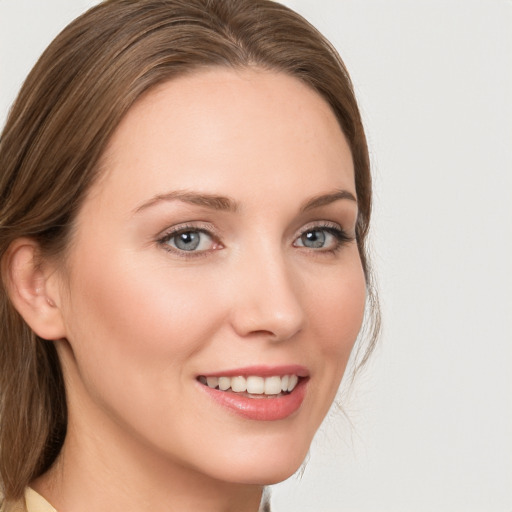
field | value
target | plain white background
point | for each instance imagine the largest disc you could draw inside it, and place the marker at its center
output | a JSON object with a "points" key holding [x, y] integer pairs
{"points": [[430, 421]]}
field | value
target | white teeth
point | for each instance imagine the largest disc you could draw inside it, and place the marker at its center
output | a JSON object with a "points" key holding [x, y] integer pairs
{"points": [[224, 383], [292, 382], [238, 384], [253, 384], [272, 385]]}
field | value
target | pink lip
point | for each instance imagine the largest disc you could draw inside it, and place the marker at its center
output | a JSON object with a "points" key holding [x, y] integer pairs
{"points": [[261, 371], [261, 409]]}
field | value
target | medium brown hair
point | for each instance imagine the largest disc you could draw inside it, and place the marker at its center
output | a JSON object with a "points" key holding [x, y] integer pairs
{"points": [[65, 114]]}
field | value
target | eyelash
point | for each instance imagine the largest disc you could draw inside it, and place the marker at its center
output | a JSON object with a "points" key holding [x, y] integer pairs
{"points": [[187, 228], [340, 236]]}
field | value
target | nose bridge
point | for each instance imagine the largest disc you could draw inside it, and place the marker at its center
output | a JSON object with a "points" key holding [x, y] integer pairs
{"points": [[268, 299]]}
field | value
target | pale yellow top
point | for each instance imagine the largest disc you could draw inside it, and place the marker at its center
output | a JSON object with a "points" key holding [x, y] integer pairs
{"points": [[32, 502]]}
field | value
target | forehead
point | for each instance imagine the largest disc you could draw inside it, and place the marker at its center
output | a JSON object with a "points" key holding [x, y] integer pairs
{"points": [[226, 129]]}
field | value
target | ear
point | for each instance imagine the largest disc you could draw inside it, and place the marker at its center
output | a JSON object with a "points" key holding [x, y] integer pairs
{"points": [[33, 288]]}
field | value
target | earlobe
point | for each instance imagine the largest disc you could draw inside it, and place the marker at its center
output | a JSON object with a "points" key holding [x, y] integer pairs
{"points": [[33, 290]]}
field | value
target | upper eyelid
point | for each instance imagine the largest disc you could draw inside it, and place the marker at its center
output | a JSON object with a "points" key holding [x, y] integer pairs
{"points": [[204, 227], [210, 229], [319, 225]]}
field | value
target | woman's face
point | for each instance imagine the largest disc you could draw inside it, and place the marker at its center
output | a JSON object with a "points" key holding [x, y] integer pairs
{"points": [[218, 244]]}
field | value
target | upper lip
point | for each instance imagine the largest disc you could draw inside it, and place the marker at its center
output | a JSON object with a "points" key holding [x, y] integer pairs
{"points": [[261, 371]]}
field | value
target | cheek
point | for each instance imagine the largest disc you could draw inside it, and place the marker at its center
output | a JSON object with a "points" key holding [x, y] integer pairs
{"points": [[125, 315], [134, 332], [337, 309], [336, 314]]}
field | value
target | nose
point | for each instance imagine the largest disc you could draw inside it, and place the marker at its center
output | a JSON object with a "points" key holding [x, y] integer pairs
{"points": [[267, 299]]}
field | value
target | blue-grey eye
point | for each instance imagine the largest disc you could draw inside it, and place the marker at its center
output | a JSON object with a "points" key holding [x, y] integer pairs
{"points": [[314, 239], [322, 238], [190, 241]]}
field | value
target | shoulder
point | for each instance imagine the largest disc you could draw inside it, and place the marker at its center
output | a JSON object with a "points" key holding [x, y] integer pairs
{"points": [[36, 503]]}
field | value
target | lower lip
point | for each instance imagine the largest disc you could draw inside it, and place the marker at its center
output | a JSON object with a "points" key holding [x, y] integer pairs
{"points": [[260, 409]]}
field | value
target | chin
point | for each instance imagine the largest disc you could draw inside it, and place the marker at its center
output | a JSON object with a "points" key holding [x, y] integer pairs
{"points": [[262, 465], [266, 475]]}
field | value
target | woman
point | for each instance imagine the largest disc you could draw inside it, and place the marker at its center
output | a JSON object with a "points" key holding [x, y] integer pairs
{"points": [[185, 202]]}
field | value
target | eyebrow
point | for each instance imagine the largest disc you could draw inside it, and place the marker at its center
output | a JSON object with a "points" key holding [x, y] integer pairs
{"points": [[325, 199], [227, 204], [211, 201]]}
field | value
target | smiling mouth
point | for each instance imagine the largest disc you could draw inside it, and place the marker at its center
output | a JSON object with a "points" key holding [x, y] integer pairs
{"points": [[253, 386]]}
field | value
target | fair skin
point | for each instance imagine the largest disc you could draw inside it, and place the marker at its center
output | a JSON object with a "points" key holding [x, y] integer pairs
{"points": [[265, 281]]}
